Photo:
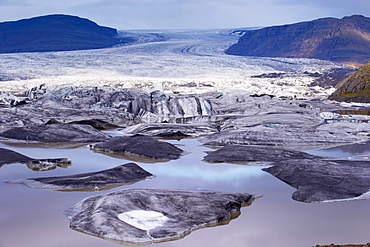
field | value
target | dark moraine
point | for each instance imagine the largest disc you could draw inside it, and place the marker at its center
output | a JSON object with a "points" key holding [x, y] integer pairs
{"points": [[318, 180], [101, 180], [95, 123], [144, 146], [240, 153], [9, 157], [57, 133], [153, 215]]}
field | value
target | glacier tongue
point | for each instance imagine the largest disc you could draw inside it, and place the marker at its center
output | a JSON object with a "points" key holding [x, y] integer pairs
{"points": [[190, 61]]}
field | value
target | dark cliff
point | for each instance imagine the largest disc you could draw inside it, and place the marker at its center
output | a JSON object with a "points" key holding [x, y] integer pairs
{"points": [[55, 33], [344, 40], [356, 88]]}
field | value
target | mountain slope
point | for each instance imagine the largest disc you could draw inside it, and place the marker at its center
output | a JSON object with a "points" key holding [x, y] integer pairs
{"points": [[344, 40], [55, 33], [356, 88]]}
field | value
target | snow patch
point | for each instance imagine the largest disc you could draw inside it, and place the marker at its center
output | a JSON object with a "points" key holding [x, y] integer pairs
{"points": [[143, 219]]}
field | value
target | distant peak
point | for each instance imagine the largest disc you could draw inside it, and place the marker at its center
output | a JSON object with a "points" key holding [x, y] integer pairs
{"points": [[354, 17]]}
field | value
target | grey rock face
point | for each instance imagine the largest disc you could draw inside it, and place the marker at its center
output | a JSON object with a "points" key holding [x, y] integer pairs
{"points": [[318, 180], [238, 153], [101, 180], [57, 133], [145, 146], [9, 157], [153, 215]]}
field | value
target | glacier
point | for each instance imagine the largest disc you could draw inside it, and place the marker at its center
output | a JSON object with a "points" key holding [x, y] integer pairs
{"points": [[185, 61]]}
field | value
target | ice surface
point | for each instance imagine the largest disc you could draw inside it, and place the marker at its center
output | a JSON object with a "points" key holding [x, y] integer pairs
{"points": [[143, 219], [183, 61]]}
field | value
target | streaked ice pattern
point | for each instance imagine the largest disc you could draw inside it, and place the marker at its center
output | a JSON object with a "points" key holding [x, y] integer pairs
{"points": [[189, 61]]}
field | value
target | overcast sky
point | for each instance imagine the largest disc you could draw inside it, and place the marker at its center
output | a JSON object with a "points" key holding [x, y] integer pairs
{"points": [[184, 14]]}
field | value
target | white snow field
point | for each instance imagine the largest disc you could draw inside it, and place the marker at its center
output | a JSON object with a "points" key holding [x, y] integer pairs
{"points": [[186, 61]]}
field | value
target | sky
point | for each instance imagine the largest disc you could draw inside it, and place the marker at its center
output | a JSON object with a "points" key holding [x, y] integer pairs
{"points": [[186, 14]]}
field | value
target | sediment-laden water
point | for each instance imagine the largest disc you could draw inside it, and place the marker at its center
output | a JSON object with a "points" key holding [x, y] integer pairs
{"points": [[32, 217]]}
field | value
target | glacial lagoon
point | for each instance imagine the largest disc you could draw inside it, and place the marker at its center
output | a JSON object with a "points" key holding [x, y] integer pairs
{"points": [[33, 217]]}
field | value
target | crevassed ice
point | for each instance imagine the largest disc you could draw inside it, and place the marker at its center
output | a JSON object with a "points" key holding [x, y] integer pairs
{"points": [[143, 219]]}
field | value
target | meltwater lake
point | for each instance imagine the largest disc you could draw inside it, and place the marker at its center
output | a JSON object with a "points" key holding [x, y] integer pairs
{"points": [[33, 217]]}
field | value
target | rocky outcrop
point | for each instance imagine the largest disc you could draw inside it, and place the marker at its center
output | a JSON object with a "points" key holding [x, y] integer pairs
{"points": [[8, 156], [239, 153], [144, 146], [356, 88], [56, 33], [143, 216], [340, 40], [54, 133], [318, 180], [93, 181]]}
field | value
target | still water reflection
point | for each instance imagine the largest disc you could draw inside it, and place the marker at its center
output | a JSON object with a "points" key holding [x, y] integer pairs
{"points": [[31, 217]]}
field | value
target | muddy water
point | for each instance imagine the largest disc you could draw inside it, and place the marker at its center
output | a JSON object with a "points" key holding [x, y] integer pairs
{"points": [[34, 218]]}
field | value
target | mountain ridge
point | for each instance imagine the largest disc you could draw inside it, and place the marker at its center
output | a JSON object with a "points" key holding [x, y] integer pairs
{"points": [[355, 88], [56, 32], [345, 40]]}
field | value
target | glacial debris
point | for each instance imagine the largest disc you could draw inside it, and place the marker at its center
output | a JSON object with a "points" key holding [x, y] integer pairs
{"points": [[143, 216], [101, 180], [320, 180], [171, 129], [137, 145], [113, 105], [53, 133], [8, 156], [240, 153]]}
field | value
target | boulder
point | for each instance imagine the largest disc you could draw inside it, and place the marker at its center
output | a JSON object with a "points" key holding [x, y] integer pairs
{"points": [[9, 157], [239, 153], [137, 145], [54, 133], [142, 216], [319, 180], [101, 180]]}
